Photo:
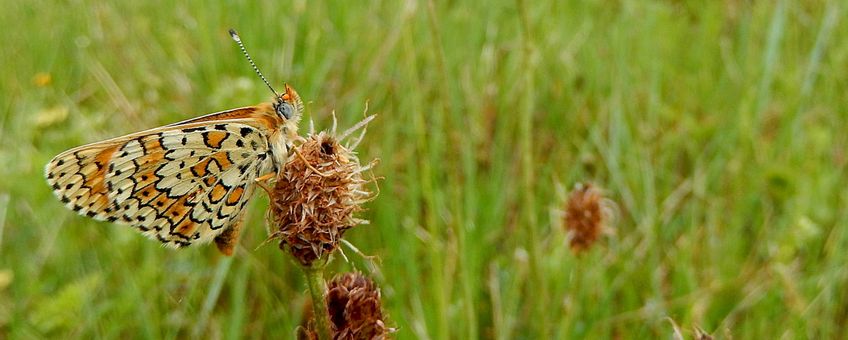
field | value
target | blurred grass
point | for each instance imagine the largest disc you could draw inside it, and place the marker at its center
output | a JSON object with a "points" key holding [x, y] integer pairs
{"points": [[718, 128]]}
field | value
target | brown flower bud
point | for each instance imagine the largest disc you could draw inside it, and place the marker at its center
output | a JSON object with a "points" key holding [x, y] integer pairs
{"points": [[315, 197], [585, 216], [355, 311]]}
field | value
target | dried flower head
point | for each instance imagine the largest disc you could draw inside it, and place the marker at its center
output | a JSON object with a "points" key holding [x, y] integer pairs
{"points": [[315, 197], [586, 216], [355, 310]]}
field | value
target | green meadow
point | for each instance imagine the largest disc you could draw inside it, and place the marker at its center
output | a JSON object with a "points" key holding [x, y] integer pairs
{"points": [[716, 129]]}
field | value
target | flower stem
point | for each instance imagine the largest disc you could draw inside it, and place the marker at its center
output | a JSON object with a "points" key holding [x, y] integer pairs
{"points": [[317, 286]]}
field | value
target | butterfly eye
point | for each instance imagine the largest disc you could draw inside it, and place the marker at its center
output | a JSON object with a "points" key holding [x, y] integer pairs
{"points": [[284, 109]]}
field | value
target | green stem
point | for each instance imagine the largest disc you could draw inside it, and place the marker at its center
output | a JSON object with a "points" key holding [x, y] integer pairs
{"points": [[317, 286]]}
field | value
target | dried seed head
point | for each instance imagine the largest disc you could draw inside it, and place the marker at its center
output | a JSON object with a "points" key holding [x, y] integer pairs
{"points": [[355, 311], [315, 197], [585, 216]]}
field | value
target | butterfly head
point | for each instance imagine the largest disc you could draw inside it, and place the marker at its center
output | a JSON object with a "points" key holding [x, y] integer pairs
{"points": [[288, 105]]}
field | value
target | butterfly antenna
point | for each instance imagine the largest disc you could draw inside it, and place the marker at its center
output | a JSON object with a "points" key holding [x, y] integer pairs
{"points": [[250, 60]]}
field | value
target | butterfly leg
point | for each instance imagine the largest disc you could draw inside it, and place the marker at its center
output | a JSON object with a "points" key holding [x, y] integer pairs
{"points": [[265, 177], [260, 181]]}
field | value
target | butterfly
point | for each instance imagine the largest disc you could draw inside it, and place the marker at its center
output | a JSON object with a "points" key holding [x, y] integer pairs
{"points": [[184, 183]]}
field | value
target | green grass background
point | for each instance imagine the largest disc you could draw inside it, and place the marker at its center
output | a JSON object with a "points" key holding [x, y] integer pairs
{"points": [[717, 127]]}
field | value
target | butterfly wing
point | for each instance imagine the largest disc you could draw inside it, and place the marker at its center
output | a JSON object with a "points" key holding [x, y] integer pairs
{"points": [[180, 184]]}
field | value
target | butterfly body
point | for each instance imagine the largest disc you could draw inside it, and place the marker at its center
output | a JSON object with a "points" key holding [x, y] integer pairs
{"points": [[182, 183]]}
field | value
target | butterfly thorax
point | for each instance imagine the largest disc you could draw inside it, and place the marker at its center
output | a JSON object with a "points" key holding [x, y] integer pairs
{"points": [[280, 137]]}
